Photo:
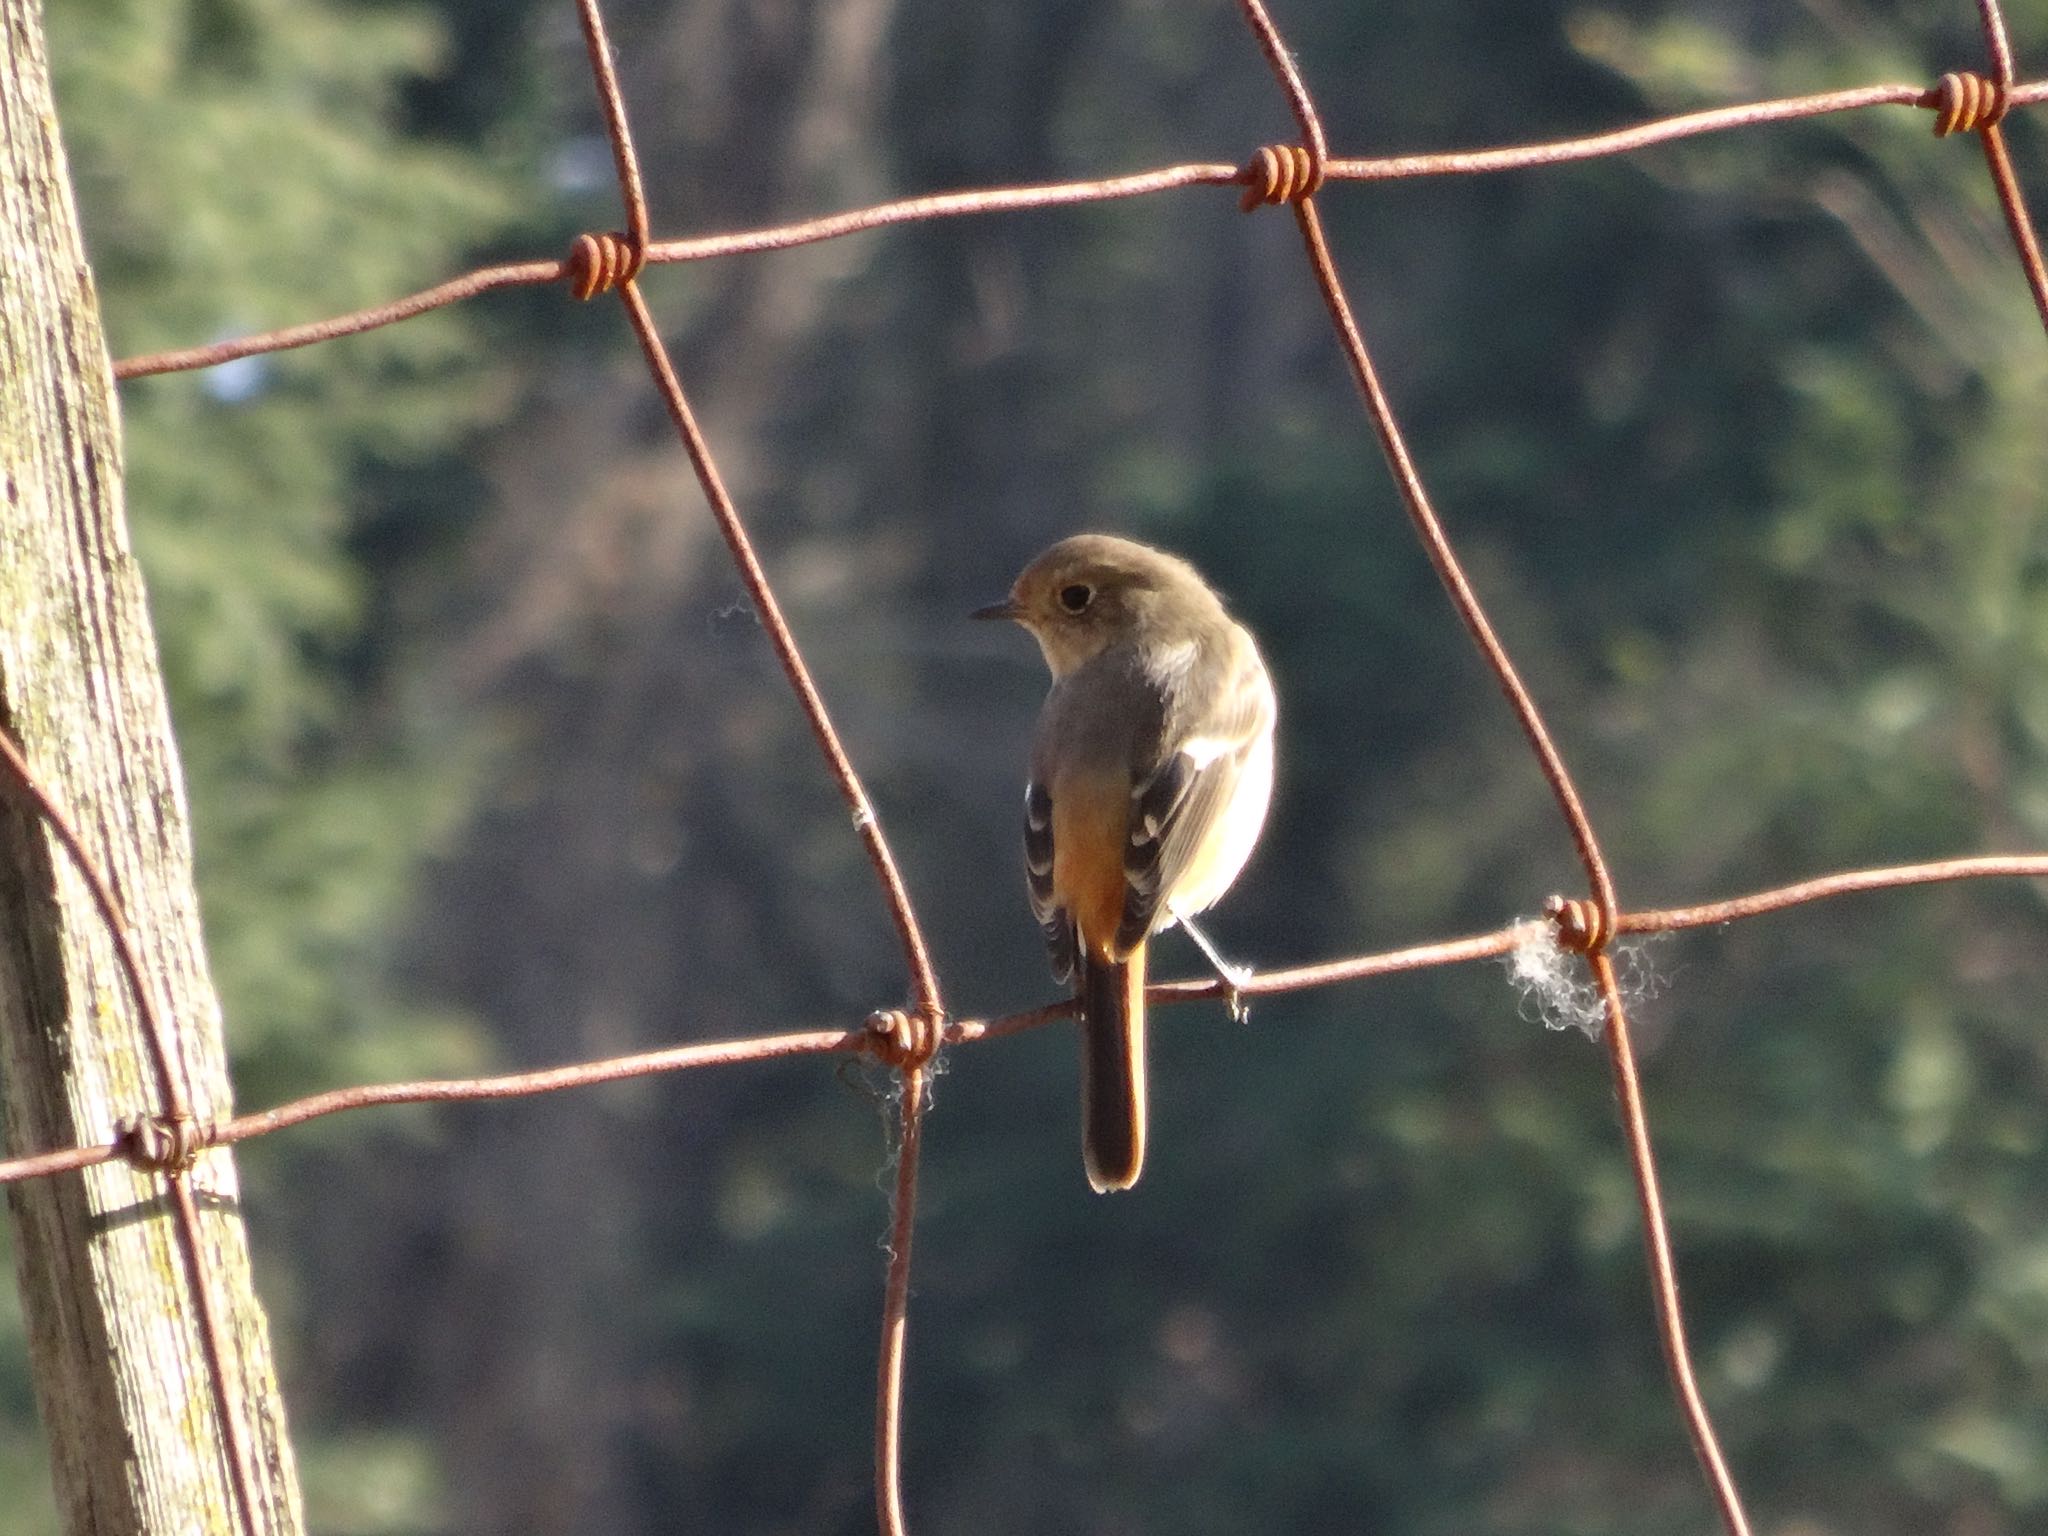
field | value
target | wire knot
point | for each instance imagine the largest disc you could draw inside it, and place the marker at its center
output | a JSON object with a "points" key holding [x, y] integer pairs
{"points": [[600, 263], [1964, 103], [902, 1039], [1280, 173], [164, 1143], [1583, 926]]}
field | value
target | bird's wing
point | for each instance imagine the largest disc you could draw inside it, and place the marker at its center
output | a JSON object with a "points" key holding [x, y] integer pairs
{"points": [[1053, 919], [1174, 808]]}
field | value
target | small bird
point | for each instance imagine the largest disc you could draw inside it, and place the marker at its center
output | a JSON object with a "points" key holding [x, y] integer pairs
{"points": [[1150, 778]]}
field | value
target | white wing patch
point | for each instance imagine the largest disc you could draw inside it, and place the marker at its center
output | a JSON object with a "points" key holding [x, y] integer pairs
{"points": [[1204, 750]]}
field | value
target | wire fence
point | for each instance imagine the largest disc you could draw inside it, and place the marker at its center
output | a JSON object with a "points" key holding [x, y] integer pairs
{"points": [[165, 1138]]}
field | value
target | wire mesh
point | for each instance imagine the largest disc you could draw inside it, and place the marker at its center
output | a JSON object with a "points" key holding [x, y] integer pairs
{"points": [[165, 1137]]}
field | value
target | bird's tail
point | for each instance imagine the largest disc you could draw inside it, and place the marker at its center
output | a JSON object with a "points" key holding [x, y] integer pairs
{"points": [[1112, 995]]}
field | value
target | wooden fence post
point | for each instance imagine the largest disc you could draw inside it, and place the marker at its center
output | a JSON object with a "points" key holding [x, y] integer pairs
{"points": [[121, 1375]]}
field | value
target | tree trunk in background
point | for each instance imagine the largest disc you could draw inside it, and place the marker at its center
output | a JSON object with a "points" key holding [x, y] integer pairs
{"points": [[120, 1374]]}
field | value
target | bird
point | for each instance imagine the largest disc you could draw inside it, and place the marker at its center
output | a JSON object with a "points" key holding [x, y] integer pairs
{"points": [[1151, 774]]}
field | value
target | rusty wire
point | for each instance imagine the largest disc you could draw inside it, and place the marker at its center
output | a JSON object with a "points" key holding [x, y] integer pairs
{"points": [[924, 980], [1472, 613], [2017, 220], [174, 1118], [905, 1040], [874, 1038], [896, 1306], [1991, 101], [618, 129], [1635, 1122], [991, 200], [1996, 40]]}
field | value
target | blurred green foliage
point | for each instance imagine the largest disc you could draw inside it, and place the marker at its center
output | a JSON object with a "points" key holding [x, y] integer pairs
{"points": [[239, 166]]}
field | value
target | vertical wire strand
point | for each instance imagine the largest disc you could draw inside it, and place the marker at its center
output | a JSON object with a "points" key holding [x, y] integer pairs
{"points": [[617, 129], [2017, 220], [1991, 133], [896, 1311], [924, 979], [1997, 41], [1671, 1319], [213, 1333], [1657, 1247], [1280, 59], [177, 1109], [1445, 561]]}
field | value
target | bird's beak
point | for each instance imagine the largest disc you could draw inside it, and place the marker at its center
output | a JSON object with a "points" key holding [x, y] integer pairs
{"points": [[1006, 609]]}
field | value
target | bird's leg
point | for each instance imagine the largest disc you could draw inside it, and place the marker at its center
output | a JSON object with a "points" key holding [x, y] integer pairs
{"points": [[1234, 977]]}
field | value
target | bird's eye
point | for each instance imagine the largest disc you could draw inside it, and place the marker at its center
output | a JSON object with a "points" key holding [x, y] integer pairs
{"points": [[1076, 597]]}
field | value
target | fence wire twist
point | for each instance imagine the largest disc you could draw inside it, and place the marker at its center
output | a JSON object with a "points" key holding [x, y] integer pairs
{"points": [[167, 1138]]}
